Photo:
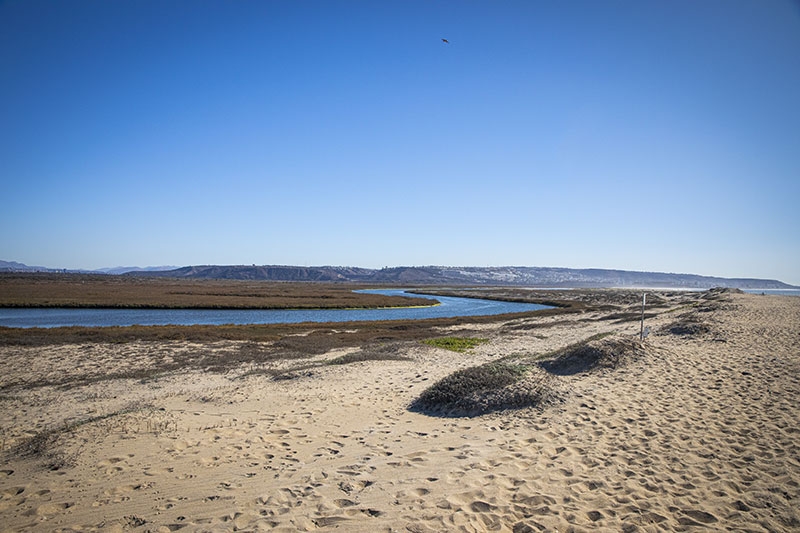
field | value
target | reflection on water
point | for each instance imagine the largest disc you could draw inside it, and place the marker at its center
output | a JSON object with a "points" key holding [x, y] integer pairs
{"points": [[449, 307]]}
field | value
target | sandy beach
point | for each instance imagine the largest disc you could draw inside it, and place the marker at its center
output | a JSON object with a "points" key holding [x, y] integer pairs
{"points": [[696, 430]]}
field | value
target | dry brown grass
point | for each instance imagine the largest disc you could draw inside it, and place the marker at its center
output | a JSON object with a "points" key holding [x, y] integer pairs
{"points": [[308, 338], [495, 386], [85, 290]]}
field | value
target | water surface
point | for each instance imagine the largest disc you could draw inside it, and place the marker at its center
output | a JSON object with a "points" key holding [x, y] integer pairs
{"points": [[449, 307]]}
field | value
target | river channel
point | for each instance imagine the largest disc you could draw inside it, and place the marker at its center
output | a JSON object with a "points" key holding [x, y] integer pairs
{"points": [[59, 317]]}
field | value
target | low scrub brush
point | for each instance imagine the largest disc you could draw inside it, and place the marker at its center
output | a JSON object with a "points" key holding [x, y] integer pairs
{"points": [[483, 389]]}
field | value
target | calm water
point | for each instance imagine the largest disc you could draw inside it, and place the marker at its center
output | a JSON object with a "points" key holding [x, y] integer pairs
{"points": [[450, 307], [778, 292]]}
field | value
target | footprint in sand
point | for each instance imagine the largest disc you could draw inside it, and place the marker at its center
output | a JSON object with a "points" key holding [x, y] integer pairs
{"points": [[180, 446], [114, 465], [479, 506], [692, 516], [159, 471], [355, 486], [11, 492], [343, 502], [52, 509], [208, 461], [230, 485], [417, 457]]}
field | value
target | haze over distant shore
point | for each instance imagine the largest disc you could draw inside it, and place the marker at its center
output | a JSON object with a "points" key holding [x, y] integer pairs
{"points": [[438, 275]]}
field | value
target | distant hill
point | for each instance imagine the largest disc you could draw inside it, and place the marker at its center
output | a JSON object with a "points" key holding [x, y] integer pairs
{"points": [[125, 270], [438, 275], [13, 266], [270, 273], [433, 275]]}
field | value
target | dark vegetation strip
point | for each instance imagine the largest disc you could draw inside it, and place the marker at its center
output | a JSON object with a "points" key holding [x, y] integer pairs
{"points": [[360, 357], [97, 291], [597, 299], [503, 295], [328, 335]]}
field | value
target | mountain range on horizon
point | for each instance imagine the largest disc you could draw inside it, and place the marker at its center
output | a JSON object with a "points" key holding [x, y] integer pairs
{"points": [[555, 277], [13, 266]]}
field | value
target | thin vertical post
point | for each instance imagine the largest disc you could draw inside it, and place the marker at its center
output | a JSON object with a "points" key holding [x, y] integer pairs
{"points": [[641, 329]]}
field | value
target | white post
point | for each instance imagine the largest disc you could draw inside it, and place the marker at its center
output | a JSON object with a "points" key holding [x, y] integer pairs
{"points": [[641, 329]]}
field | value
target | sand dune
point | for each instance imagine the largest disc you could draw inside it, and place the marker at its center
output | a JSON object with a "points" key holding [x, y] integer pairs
{"points": [[698, 432]]}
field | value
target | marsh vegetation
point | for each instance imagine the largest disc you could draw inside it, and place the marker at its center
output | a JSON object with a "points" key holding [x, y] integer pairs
{"points": [[92, 290]]}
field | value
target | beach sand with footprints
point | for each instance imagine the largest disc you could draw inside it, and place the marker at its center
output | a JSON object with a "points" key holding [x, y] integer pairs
{"points": [[696, 428]]}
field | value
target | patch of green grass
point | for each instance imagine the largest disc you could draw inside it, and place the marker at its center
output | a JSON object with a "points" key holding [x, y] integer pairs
{"points": [[456, 344]]}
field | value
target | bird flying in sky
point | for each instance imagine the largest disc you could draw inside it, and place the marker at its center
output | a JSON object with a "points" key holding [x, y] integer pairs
{"points": [[445, 41]]}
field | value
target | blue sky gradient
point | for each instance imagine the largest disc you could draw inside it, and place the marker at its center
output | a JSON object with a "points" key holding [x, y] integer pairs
{"points": [[658, 136]]}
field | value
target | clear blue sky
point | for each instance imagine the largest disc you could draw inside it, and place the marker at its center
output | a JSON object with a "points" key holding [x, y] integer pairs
{"points": [[640, 135]]}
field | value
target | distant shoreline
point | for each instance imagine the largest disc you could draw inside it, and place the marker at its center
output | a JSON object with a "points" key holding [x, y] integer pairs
{"points": [[518, 276]]}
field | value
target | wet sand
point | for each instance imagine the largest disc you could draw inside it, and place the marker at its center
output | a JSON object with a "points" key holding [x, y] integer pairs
{"points": [[699, 432]]}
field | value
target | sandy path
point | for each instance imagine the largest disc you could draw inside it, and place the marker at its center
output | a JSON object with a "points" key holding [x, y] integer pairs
{"points": [[701, 432]]}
